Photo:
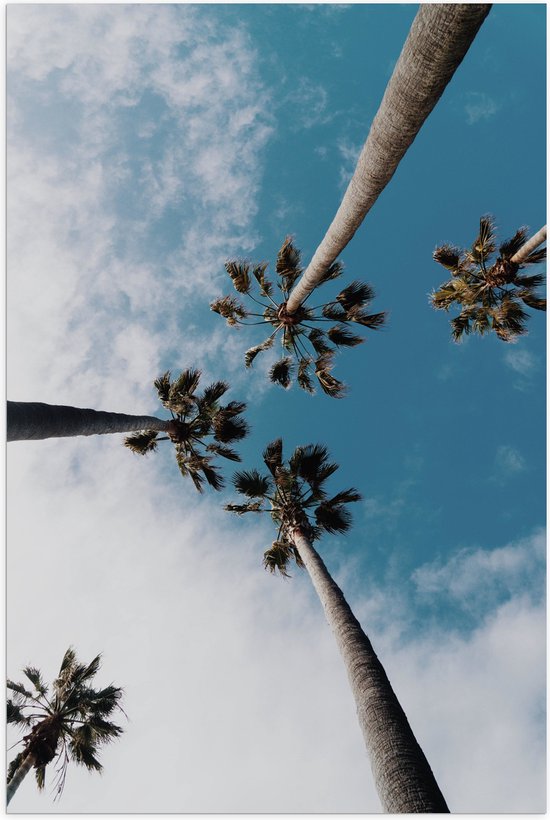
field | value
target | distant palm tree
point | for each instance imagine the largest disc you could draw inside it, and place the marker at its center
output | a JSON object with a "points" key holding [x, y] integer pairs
{"points": [[312, 347], [68, 723], [195, 418], [489, 294], [439, 38], [295, 497]]}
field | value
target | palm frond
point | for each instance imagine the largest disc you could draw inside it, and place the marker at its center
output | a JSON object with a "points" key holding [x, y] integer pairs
{"points": [[224, 452], [531, 282], [266, 288], [448, 256], [40, 775], [341, 336], [332, 272], [281, 372], [213, 393], [484, 244], [231, 309], [251, 354], [318, 339], [333, 518], [277, 557], [142, 443], [344, 497], [162, 385], [357, 294], [14, 765], [288, 264], [273, 456], [228, 427], [334, 312], [18, 687], [251, 483], [15, 715], [303, 377], [240, 275], [539, 255], [531, 299], [511, 246], [374, 321], [186, 383], [240, 509], [331, 386]]}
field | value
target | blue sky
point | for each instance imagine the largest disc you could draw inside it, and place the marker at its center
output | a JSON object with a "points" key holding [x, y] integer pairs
{"points": [[147, 145]]}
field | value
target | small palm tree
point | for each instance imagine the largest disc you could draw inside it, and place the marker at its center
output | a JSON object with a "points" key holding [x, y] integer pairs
{"points": [[70, 722], [438, 41], [195, 418], [490, 294], [310, 346], [294, 495]]}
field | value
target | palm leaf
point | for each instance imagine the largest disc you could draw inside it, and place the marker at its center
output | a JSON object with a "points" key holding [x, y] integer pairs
{"points": [[251, 354], [239, 273], [162, 385], [186, 383], [19, 688], [281, 372], [341, 336], [230, 309], [511, 246], [448, 256], [331, 386], [538, 255], [532, 300], [303, 377], [266, 288], [240, 509], [333, 518], [213, 393], [228, 427], [374, 321], [318, 340], [251, 483], [484, 244], [288, 264], [273, 456], [356, 294], [35, 678], [332, 272], [334, 312], [224, 452], [534, 281], [142, 443], [277, 557]]}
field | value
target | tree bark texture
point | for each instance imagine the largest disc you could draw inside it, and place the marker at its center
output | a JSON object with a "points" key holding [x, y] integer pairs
{"points": [[34, 420], [403, 777], [436, 45], [529, 246], [19, 775]]}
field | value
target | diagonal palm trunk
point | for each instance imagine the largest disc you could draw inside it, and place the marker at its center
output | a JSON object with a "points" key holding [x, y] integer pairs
{"points": [[19, 775], [34, 420], [403, 777], [529, 246], [439, 38]]}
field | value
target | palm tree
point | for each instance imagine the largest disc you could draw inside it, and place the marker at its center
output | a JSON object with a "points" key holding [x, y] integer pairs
{"points": [[312, 347], [68, 723], [536, 240], [489, 294], [439, 38], [294, 495], [35, 420], [195, 418]]}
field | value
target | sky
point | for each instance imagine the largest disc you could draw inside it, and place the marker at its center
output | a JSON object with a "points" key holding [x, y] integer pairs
{"points": [[146, 145]]}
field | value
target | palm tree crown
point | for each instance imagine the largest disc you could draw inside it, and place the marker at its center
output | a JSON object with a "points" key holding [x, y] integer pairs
{"points": [[294, 495], [312, 348], [70, 722], [490, 294], [195, 419]]}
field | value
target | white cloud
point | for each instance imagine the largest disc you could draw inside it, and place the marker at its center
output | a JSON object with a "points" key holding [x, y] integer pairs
{"points": [[508, 460], [520, 360], [310, 103], [479, 106]]}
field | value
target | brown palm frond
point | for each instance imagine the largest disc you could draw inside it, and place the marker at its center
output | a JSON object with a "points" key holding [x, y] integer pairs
{"points": [[334, 271], [331, 386], [334, 312], [281, 372], [213, 393], [303, 377], [318, 340], [142, 443], [251, 354], [162, 385], [229, 427], [241, 509], [341, 337], [277, 557], [484, 244], [357, 294], [448, 256], [333, 518], [374, 321], [266, 288], [511, 246], [531, 299], [230, 309], [224, 452], [240, 275], [534, 257], [273, 456], [251, 483], [288, 264]]}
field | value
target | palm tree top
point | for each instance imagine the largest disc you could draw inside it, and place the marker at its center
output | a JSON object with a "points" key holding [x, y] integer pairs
{"points": [[490, 294], [309, 348], [200, 429], [294, 495], [69, 721]]}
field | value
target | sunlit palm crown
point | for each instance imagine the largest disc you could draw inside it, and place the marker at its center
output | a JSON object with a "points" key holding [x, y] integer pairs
{"points": [[294, 494], [312, 348], [67, 723], [200, 428], [490, 294]]}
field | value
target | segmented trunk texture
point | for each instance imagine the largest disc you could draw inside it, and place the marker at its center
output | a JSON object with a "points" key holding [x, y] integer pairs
{"points": [[34, 420], [403, 777], [437, 42], [529, 246], [19, 775]]}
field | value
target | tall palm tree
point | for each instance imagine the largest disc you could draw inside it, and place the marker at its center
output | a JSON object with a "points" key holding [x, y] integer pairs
{"points": [[295, 497], [439, 38], [68, 723], [312, 347], [196, 418], [490, 294]]}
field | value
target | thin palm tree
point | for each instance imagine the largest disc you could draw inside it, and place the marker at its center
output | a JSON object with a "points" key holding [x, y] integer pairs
{"points": [[490, 294], [302, 335], [70, 722], [200, 429], [438, 40], [294, 495]]}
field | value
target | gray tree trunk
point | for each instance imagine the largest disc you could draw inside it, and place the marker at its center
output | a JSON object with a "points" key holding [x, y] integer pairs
{"points": [[34, 420], [19, 775], [529, 246], [403, 777], [437, 42]]}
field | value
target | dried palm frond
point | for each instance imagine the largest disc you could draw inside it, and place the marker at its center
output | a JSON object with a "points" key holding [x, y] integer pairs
{"points": [[240, 275], [281, 372], [357, 294], [340, 336], [142, 443], [230, 309]]}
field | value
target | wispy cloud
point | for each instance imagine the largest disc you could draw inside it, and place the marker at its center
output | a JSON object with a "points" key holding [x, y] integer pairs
{"points": [[479, 106], [309, 102], [508, 462]]}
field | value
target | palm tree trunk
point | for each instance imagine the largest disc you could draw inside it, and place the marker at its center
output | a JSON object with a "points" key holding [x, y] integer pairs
{"points": [[34, 420], [529, 246], [437, 42], [403, 777], [19, 775]]}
